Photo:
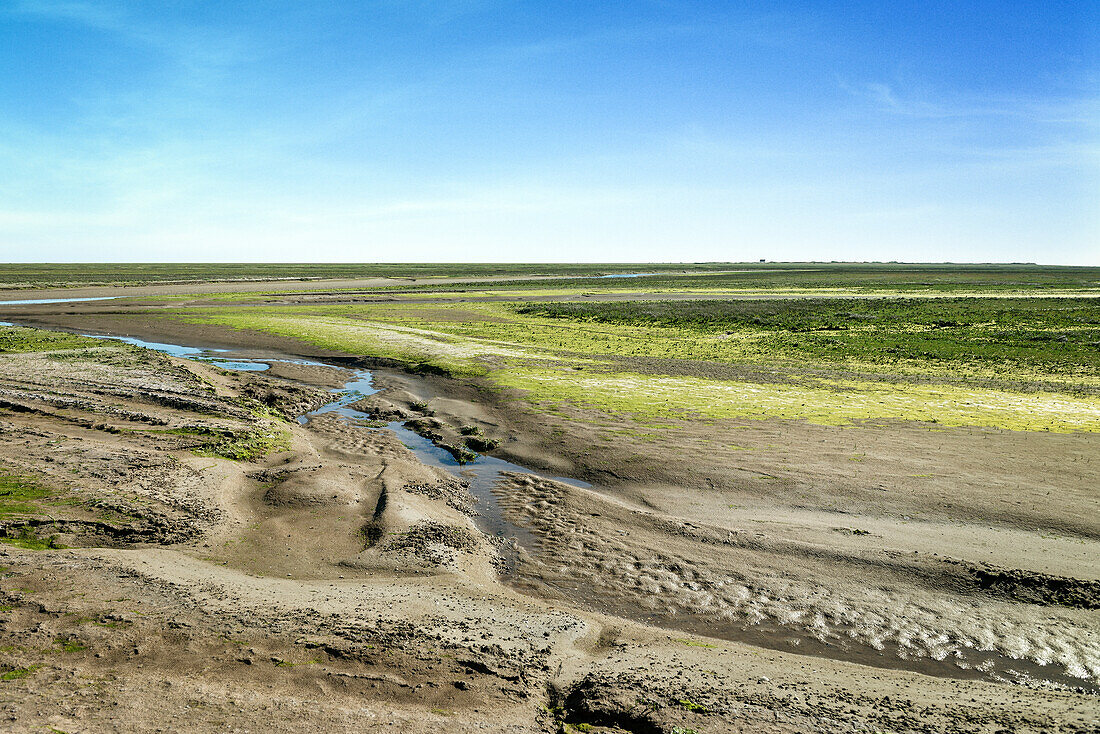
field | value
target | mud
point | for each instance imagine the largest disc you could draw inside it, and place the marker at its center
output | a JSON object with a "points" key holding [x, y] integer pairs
{"points": [[338, 581]]}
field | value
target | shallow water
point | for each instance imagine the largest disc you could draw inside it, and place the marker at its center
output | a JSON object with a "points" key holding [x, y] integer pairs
{"points": [[201, 355], [482, 473], [35, 301]]}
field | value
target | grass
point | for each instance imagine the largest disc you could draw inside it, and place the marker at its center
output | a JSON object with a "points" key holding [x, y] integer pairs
{"points": [[24, 496], [1028, 339], [248, 445], [69, 644], [838, 354], [1022, 364], [688, 705], [15, 339], [41, 275], [29, 540], [20, 494], [860, 277], [1057, 335], [839, 403], [18, 673]]}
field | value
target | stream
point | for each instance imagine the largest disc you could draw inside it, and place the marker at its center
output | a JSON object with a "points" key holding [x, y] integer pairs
{"points": [[481, 473]]}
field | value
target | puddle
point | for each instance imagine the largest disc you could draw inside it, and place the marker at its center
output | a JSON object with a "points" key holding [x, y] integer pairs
{"points": [[36, 301], [243, 366], [201, 355]]}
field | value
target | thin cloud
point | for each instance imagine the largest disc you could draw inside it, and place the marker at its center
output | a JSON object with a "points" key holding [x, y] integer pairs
{"points": [[887, 99]]}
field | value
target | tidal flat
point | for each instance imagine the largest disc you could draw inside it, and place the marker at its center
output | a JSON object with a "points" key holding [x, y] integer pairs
{"points": [[726, 497]]}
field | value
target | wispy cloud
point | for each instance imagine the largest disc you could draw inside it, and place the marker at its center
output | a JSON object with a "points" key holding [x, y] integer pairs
{"points": [[888, 99]]}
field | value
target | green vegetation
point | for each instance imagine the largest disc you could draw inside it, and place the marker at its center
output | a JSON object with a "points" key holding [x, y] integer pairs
{"points": [[770, 277], [1010, 346], [69, 644], [18, 673], [1017, 363], [19, 494], [30, 540], [15, 339], [25, 496], [41, 275], [247, 445], [752, 280], [688, 705], [1054, 334]]}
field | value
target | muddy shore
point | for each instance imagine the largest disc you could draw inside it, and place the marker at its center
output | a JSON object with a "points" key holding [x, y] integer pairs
{"points": [[945, 581]]}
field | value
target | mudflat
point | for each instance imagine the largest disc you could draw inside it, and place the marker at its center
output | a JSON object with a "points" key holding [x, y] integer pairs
{"points": [[518, 517]]}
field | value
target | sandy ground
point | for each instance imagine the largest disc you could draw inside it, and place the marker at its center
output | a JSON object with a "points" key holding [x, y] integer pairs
{"points": [[889, 578]]}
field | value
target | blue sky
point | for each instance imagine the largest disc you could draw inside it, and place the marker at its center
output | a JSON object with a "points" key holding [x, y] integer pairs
{"points": [[557, 131]]}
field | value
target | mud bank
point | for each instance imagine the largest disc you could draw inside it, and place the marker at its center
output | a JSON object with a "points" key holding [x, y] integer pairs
{"points": [[338, 578]]}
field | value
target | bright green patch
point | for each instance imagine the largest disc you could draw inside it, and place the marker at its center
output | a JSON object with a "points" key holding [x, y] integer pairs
{"points": [[1056, 335], [688, 705], [20, 494], [30, 540], [1015, 363], [843, 402], [18, 673], [247, 445], [69, 644]]}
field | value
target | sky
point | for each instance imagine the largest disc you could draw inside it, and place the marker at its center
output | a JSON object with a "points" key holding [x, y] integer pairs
{"points": [[493, 131]]}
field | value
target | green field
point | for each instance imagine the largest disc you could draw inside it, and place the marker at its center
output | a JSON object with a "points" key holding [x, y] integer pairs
{"points": [[1024, 363], [864, 277], [40, 275], [1009, 346]]}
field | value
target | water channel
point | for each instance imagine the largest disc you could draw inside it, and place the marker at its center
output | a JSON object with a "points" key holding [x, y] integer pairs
{"points": [[481, 473]]}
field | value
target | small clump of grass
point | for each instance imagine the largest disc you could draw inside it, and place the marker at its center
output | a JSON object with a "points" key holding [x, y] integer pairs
{"points": [[70, 644], [18, 673], [246, 445], [688, 705]]}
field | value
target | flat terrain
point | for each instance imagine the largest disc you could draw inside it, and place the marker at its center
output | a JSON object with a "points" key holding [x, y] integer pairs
{"points": [[800, 497]]}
